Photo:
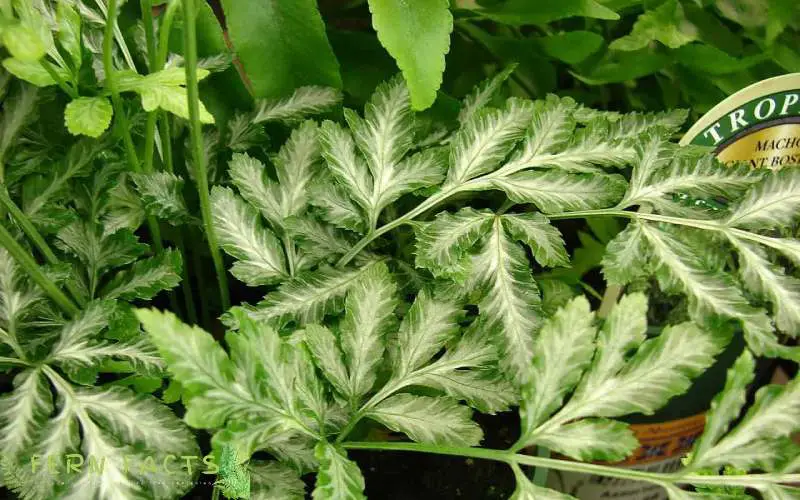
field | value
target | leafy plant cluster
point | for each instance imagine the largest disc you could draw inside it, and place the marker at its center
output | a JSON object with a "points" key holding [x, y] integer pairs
{"points": [[408, 269]]}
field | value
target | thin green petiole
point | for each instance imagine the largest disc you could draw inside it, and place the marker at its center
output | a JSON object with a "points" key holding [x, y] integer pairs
{"points": [[33, 234], [33, 269], [198, 156], [59, 81]]}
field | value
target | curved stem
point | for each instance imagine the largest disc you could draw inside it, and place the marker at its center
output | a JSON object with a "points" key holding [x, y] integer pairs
{"points": [[581, 467], [33, 234], [33, 269], [200, 173], [59, 81]]}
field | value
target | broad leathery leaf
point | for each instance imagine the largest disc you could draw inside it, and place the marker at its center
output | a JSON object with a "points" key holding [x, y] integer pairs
{"points": [[281, 45], [753, 443], [369, 316], [192, 355], [24, 410], [243, 236], [554, 191], [775, 202], [425, 419], [308, 297], [626, 256], [520, 12], [571, 47], [543, 239], [526, 490], [483, 142], [274, 481], [666, 24], [770, 281], [304, 101], [443, 245], [420, 57], [563, 349], [88, 116], [324, 346], [338, 478], [725, 407], [146, 277], [162, 196], [482, 95], [591, 439], [429, 324], [623, 331], [511, 301], [661, 368]]}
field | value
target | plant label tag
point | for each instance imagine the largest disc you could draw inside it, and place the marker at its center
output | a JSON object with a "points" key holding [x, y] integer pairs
{"points": [[760, 125]]}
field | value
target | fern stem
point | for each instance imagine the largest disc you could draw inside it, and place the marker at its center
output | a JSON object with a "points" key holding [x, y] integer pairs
{"points": [[33, 269], [119, 112], [659, 478], [13, 361], [200, 173], [33, 234]]}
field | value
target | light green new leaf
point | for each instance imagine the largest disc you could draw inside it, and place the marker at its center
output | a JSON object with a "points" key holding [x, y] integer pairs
{"points": [[33, 72], [242, 235], [429, 324], [775, 202], [369, 316], [163, 89], [425, 419], [88, 116], [535, 231], [482, 94], [591, 439], [483, 142], [563, 349], [162, 196], [725, 407], [554, 191], [308, 297], [338, 477], [666, 24], [417, 34], [443, 245], [304, 101], [146, 277], [511, 302]]}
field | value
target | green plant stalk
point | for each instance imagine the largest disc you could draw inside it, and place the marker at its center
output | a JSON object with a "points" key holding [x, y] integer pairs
{"points": [[33, 234], [749, 480], [200, 173], [119, 113], [59, 81], [33, 269], [186, 286]]}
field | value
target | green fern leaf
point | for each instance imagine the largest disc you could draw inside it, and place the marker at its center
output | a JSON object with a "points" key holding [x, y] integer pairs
{"points": [[273, 481], [161, 194], [482, 95], [774, 202], [544, 240], [146, 277], [338, 478], [304, 101]]}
